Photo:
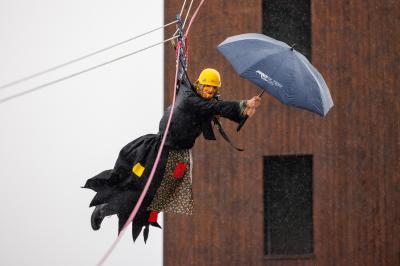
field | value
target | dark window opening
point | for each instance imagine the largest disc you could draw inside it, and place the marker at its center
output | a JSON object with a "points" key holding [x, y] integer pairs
{"points": [[288, 224], [289, 21]]}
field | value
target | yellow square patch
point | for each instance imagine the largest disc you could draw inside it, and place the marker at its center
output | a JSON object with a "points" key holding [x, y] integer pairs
{"points": [[138, 169]]}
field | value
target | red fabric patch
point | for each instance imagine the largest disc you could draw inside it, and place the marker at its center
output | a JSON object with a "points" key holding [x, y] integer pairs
{"points": [[153, 217], [179, 170]]}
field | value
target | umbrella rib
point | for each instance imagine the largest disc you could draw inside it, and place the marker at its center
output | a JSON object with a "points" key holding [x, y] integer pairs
{"points": [[291, 80], [277, 68], [316, 80]]}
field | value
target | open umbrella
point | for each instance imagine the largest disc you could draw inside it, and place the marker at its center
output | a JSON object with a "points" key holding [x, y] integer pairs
{"points": [[279, 69]]}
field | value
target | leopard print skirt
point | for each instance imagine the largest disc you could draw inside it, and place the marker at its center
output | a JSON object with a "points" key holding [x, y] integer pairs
{"points": [[175, 193]]}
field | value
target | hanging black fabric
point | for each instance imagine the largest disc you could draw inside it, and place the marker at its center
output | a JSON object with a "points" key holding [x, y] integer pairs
{"points": [[120, 187]]}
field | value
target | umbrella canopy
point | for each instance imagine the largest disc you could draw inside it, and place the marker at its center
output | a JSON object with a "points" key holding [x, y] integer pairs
{"points": [[279, 69]]}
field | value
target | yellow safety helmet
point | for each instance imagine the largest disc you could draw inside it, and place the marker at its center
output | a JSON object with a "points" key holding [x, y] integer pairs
{"points": [[209, 76]]}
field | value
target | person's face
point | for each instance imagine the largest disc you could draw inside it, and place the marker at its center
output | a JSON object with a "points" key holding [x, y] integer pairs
{"points": [[208, 91]]}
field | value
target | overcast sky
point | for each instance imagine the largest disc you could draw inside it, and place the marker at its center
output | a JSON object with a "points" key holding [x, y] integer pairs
{"points": [[52, 140]]}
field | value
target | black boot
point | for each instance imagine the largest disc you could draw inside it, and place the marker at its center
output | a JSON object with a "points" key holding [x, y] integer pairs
{"points": [[97, 216]]}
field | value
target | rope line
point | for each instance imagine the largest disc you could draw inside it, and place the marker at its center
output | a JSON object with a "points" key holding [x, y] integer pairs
{"points": [[142, 195], [80, 72], [153, 170], [81, 58]]}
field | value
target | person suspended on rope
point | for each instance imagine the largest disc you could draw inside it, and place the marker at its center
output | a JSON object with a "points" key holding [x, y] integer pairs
{"points": [[118, 189]]}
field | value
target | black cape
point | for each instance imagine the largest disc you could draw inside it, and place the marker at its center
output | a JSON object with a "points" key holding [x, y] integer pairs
{"points": [[120, 188]]}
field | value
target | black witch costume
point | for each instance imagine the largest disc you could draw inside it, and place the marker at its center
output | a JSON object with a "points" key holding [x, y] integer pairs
{"points": [[119, 189]]}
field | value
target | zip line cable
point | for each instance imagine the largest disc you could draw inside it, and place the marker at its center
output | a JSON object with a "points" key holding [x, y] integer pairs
{"points": [[187, 14], [81, 72], [81, 58], [183, 6], [192, 18], [86, 56], [180, 15]]}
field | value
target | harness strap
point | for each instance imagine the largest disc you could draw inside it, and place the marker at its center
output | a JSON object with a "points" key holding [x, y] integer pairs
{"points": [[215, 119], [223, 133]]}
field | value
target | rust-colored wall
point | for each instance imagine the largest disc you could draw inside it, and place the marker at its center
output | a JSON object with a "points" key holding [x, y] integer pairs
{"points": [[356, 148]]}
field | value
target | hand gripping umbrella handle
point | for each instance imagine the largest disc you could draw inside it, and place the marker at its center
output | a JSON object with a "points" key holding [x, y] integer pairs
{"points": [[246, 116]]}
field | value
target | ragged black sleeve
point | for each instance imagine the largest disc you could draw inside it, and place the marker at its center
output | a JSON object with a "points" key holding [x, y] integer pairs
{"points": [[228, 109]]}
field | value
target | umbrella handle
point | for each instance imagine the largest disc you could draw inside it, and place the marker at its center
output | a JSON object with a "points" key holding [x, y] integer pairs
{"points": [[246, 116]]}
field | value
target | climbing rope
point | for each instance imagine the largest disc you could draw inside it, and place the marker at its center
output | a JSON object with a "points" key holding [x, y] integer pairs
{"points": [[142, 195]]}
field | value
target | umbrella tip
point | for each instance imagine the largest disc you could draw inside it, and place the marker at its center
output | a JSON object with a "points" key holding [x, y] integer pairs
{"points": [[293, 45]]}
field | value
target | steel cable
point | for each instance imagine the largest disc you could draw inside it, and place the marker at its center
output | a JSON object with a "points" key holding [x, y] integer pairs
{"points": [[180, 15], [183, 6], [187, 14], [80, 72], [81, 58]]}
